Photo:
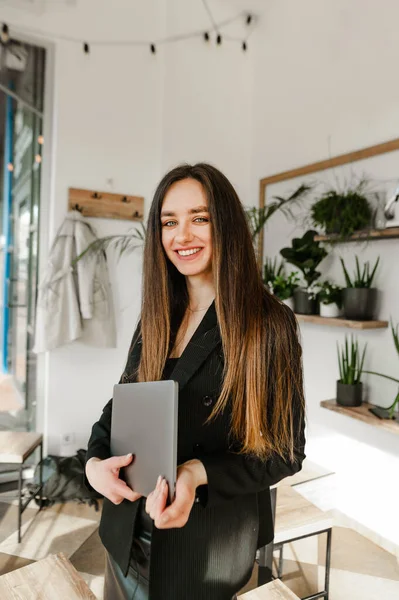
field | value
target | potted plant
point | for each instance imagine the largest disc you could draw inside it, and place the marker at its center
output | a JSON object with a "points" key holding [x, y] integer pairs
{"points": [[330, 299], [284, 287], [306, 254], [258, 217], [271, 270], [379, 411], [343, 212], [349, 386], [359, 298], [122, 243]]}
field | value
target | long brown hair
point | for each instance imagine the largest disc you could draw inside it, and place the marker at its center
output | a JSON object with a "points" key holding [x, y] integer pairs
{"points": [[263, 371]]}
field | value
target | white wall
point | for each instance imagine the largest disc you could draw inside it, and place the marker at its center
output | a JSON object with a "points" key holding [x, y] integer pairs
{"points": [[123, 114], [207, 96], [323, 77]]}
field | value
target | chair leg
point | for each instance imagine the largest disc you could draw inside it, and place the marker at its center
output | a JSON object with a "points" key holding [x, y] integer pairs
{"points": [[41, 476], [280, 563], [328, 563], [19, 503]]}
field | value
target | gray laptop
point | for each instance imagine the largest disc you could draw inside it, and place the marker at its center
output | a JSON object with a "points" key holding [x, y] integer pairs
{"points": [[144, 422]]}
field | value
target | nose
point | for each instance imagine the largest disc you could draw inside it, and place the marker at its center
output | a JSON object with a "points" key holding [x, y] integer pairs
{"points": [[184, 234]]}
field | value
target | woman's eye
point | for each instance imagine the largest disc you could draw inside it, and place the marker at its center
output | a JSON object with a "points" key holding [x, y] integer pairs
{"points": [[202, 219], [169, 223]]}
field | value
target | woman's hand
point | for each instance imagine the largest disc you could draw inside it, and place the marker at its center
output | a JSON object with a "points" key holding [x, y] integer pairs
{"points": [[189, 476], [103, 476]]}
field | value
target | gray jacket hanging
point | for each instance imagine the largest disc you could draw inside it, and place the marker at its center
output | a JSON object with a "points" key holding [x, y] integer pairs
{"points": [[75, 302]]}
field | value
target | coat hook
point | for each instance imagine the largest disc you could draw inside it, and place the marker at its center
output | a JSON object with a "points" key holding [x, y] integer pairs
{"points": [[136, 214], [78, 208], [96, 195], [125, 199]]}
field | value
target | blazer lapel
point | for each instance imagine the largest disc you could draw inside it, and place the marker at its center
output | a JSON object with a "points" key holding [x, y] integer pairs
{"points": [[204, 340]]}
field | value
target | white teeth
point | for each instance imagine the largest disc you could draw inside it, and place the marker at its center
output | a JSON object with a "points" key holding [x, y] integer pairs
{"points": [[188, 252]]}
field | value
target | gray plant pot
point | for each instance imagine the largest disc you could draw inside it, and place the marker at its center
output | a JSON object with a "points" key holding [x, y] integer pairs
{"points": [[360, 304], [303, 305], [349, 395]]}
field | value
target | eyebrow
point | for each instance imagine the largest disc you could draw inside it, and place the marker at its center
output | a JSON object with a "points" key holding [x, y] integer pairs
{"points": [[192, 211]]}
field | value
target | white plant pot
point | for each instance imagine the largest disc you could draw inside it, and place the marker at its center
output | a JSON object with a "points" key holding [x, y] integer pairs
{"points": [[329, 310], [290, 302]]}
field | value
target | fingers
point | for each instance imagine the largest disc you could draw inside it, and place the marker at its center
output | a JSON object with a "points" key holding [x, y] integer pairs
{"points": [[173, 516], [156, 501], [115, 462], [177, 514], [160, 500], [120, 488]]}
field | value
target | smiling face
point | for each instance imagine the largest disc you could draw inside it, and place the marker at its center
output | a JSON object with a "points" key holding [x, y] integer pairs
{"points": [[186, 228]]}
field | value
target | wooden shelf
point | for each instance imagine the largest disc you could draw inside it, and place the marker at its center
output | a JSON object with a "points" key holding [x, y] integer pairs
{"points": [[367, 235], [362, 413], [337, 322]]}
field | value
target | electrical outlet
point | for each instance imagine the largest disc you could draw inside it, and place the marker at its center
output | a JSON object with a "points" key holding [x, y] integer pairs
{"points": [[67, 444], [67, 439]]}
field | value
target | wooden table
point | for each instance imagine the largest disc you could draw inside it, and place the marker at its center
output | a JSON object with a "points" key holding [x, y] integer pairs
{"points": [[15, 449], [309, 472], [53, 578], [275, 590], [296, 516]]}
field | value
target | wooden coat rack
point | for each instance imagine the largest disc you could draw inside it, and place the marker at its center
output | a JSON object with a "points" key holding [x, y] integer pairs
{"points": [[105, 205]]}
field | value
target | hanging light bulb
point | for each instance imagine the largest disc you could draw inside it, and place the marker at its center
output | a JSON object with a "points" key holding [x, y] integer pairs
{"points": [[40, 140], [86, 48], [10, 167], [219, 39], [5, 34], [38, 158], [244, 46], [153, 49], [206, 36], [249, 19]]}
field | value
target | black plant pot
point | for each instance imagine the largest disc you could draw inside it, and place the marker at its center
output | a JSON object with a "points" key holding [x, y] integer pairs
{"points": [[360, 303], [349, 395], [303, 304]]}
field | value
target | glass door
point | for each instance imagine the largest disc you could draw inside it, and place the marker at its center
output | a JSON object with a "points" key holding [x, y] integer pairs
{"points": [[20, 232]]}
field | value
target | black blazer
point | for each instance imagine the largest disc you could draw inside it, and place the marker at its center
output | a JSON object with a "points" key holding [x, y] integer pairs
{"points": [[217, 546]]}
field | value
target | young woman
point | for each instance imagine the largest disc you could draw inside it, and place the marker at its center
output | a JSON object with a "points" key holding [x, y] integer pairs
{"points": [[208, 323]]}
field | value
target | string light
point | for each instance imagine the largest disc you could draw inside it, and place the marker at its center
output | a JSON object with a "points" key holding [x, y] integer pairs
{"points": [[40, 140], [87, 45], [10, 167], [38, 158], [5, 34]]}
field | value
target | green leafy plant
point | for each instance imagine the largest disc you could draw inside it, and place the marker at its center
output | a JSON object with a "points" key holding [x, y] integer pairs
{"points": [[305, 254], [350, 361], [329, 293], [284, 287], [362, 279], [123, 244], [258, 217], [343, 212], [395, 336], [272, 269]]}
